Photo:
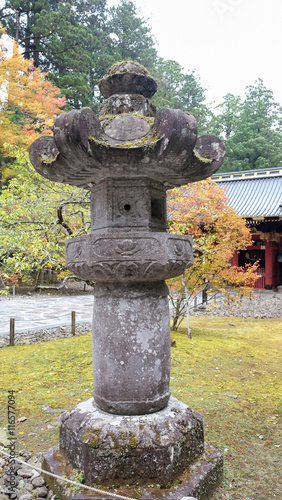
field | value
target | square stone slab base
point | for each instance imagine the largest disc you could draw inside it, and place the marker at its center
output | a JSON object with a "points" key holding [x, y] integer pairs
{"points": [[127, 450], [154, 456], [199, 481]]}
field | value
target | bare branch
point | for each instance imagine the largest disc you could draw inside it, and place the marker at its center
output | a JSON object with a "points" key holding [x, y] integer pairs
{"points": [[61, 219], [63, 285], [7, 224]]}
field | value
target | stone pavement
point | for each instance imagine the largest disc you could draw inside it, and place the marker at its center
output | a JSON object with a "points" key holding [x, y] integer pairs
{"points": [[35, 313], [42, 312]]}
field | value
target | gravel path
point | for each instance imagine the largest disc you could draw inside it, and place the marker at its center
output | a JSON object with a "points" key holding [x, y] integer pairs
{"points": [[264, 304]]}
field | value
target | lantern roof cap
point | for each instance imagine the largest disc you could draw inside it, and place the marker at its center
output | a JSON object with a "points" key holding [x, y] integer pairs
{"points": [[127, 77]]}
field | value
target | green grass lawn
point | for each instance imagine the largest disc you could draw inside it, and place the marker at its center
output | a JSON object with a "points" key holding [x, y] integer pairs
{"points": [[230, 372]]}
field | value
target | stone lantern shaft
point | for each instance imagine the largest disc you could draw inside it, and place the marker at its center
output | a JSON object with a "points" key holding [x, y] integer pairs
{"points": [[131, 330]]}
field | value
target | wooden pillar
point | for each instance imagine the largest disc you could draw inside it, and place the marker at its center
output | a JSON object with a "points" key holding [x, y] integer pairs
{"points": [[269, 264], [235, 259]]}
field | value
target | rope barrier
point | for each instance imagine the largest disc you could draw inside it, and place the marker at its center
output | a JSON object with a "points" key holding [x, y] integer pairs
{"points": [[69, 481]]}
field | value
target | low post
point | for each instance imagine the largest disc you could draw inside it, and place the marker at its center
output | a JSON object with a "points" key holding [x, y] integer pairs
{"points": [[73, 323], [12, 331], [14, 290]]}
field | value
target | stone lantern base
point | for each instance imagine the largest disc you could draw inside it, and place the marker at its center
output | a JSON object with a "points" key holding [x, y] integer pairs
{"points": [[165, 449]]}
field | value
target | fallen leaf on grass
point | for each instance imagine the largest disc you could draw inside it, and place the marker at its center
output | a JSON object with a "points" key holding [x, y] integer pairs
{"points": [[21, 419]]}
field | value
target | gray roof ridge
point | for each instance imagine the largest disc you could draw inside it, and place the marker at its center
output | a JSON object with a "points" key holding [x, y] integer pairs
{"points": [[247, 174]]}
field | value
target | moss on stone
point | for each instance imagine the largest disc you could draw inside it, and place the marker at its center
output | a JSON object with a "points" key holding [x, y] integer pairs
{"points": [[48, 161], [99, 142], [107, 119], [158, 436], [134, 144], [114, 439], [92, 437], [121, 68], [148, 140], [203, 159], [133, 442]]}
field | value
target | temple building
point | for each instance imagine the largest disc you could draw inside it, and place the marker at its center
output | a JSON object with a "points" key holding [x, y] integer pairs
{"points": [[256, 195]]}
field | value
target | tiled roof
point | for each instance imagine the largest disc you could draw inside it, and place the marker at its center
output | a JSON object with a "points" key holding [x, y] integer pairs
{"points": [[254, 193]]}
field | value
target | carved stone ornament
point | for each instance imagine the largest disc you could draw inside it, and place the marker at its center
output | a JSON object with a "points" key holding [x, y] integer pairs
{"points": [[127, 141], [129, 257], [131, 431]]}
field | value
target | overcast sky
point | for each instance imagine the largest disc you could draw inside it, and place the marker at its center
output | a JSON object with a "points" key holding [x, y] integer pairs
{"points": [[230, 43]]}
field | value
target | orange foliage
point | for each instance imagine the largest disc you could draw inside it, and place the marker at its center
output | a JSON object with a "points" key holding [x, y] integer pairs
{"points": [[29, 102], [201, 210]]}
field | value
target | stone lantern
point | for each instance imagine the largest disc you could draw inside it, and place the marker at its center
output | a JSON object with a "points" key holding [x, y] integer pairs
{"points": [[132, 431]]}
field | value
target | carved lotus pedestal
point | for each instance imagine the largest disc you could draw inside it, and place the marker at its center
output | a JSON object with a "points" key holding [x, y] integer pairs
{"points": [[131, 321], [132, 432]]}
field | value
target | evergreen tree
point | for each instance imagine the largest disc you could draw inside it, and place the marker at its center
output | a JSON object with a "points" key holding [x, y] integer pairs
{"points": [[168, 75], [67, 39], [179, 90], [251, 130], [77, 41], [131, 35]]}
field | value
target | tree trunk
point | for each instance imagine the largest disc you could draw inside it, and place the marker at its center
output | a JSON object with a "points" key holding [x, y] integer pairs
{"points": [[17, 26], [187, 308], [177, 313]]}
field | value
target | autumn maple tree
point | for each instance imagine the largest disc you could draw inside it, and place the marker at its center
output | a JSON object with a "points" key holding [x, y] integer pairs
{"points": [[29, 103], [201, 210]]}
